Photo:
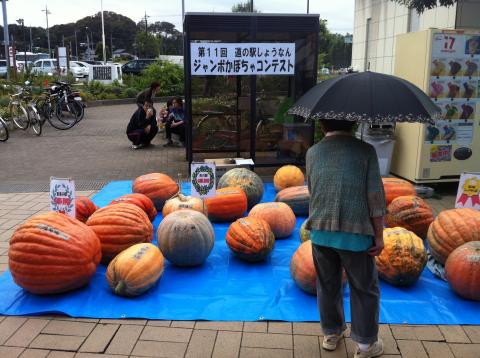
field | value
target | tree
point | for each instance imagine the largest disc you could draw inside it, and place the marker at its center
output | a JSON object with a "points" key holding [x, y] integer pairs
{"points": [[244, 7], [422, 5], [99, 51], [147, 45]]}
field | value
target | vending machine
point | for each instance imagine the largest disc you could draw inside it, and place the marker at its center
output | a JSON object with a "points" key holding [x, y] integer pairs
{"points": [[446, 65]]}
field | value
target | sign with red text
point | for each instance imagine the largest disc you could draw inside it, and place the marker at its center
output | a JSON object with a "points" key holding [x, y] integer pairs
{"points": [[62, 196], [203, 180]]}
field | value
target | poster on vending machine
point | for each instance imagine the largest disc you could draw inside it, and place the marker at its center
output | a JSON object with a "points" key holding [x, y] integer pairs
{"points": [[468, 194]]}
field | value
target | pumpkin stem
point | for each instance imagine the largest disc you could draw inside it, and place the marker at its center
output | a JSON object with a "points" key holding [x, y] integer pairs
{"points": [[120, 288]]}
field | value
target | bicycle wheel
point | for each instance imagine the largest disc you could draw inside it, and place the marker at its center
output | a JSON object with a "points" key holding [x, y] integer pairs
{"points": [[79, 108], [65, 113], [35, 120], [3, 131], [19, 116], [65, 123]]}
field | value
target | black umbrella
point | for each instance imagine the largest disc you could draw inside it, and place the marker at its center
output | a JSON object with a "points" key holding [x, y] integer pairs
{"points": [[366, 97]]}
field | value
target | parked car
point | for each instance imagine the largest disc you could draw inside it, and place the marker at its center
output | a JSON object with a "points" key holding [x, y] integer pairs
{"points": [[79, 69], [91, 62], [46, 66], [325, 71], [3, 68], [135, 67]]}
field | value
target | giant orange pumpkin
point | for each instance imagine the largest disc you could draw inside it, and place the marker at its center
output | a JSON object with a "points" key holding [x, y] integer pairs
{"points": [[287, 176], [395, 187], [297, 198], [84, 207], [157, 186], [302, 269], [140, 200], [403, 257], [278, 215], [250, 239], [411, 213], [451, 229], [249, 181], [180, 202], [53, 253], [135, 270], [228, 204], [462, 270], [120, 226]]}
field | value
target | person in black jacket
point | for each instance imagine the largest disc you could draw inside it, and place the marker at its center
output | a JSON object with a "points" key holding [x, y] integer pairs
{"points": [[142, 127], [147, 96]]}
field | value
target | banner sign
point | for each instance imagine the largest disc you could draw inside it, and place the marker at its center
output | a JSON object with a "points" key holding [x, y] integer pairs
{"points": [[203, 180], [214, 59], [62, 57], [62, 196], [468, 194]]}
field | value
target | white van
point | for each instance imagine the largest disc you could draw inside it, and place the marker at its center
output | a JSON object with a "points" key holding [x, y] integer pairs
{"points": [[46, 66]]}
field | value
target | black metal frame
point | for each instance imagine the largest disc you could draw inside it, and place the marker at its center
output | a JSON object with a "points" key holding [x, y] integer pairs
{"points": [[253, 24]]}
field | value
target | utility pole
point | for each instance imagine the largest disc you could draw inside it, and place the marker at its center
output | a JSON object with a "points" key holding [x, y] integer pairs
{"points": [[88, 43], [146, 33], [6, 37], [251, 5], [146, 22], [76, 45], [63, 41], [111, 44], [22, 23], [308, 6], [31, 42], [103, 36], [48, 30]]}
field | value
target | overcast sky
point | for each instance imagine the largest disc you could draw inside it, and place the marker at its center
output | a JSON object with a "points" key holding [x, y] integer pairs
{"points": [[339, 13]]}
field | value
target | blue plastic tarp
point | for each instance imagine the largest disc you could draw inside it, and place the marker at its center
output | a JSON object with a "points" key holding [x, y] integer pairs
{"points": [[225, 288]]}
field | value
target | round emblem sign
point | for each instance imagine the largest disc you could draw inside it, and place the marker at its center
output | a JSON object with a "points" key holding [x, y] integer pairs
{"points": [[203, 179]]}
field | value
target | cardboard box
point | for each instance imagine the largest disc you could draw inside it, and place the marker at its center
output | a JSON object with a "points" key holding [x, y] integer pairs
{"points": [[222, 165]]}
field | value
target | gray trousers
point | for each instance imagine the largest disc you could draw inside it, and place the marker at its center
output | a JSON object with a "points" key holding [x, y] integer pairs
{"points": [[364, 292]]}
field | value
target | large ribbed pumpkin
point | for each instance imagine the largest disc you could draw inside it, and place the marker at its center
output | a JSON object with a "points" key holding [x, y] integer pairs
{"points": [[287, 176], [395, 187], [185, 237], [297, 198], [53, 253], [250, 239], [403, 257], [228, 204], [302, 269], [278, 215], [451, 229], [304, 233], [84, 207], [140, 200], [157, 186], [249, 181], [135, 270], [463, 270], [120, 226], [181, 202], [411, 213]]}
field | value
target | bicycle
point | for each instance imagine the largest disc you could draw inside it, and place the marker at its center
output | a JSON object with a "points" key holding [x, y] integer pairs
{"points": [[23, 112], [47, 105], [69, 103], [18, 113], [3, 131]]}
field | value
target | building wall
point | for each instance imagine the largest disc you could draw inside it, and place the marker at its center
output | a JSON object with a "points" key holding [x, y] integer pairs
{"points": [[377, 22]]}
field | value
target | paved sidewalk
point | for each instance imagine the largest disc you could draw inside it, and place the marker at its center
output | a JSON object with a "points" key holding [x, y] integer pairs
{"points": [[62, 337]]}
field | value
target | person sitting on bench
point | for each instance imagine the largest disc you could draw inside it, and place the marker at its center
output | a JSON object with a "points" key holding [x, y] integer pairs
{"points": [[142, 127], [175, 122]]}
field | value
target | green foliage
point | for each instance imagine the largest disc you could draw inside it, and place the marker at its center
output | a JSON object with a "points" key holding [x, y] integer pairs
{"points": [[169, 75], [333, 51], [99, 51], [422, 5], [244, 7], [147, 45], [281, 116], [130, 92]]}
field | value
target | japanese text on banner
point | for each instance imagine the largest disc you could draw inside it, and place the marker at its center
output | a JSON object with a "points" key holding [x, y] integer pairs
{"points": [[213, 59]]}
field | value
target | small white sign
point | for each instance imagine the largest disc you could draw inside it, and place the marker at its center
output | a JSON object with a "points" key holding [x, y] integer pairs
{"points": [[203, 180], [62, 195], [217, 59], [468, 194], [62, 57]]}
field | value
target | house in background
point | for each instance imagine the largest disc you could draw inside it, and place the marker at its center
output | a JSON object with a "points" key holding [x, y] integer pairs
{"points": [[378, 22]]}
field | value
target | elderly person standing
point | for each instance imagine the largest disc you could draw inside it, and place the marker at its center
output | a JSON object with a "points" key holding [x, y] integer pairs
{"points": [[346, 221]]}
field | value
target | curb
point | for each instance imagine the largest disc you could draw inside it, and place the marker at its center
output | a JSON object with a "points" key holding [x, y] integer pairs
{"points": [[113, 102]]}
